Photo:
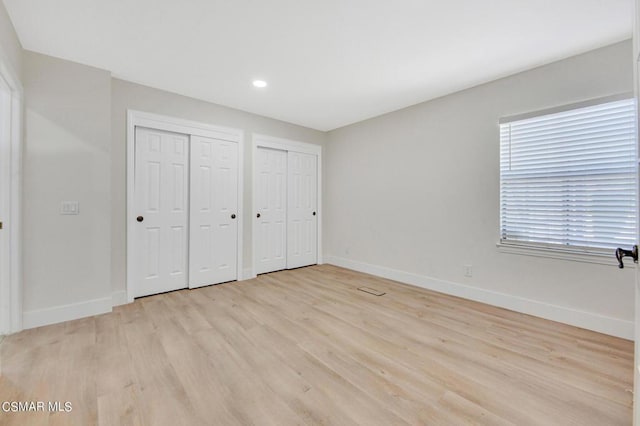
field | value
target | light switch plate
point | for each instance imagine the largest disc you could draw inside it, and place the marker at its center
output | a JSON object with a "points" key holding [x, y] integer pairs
{"points": [[70, 207]]}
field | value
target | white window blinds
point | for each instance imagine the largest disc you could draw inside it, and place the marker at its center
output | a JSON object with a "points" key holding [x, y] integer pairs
{"points": [[569, 178]]}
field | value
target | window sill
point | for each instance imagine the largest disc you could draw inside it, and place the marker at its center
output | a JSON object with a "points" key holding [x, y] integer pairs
{"points": [[574, 255]]}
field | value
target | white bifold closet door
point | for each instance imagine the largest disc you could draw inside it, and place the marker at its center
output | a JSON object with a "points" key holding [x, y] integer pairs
{"points": [[271, 232], [286, 217], [302, 219], [214, 202], [161, 202]]}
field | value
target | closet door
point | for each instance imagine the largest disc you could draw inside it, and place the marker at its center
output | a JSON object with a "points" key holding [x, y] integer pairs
{"points": [[213, 248], [161, 196], [302, 219], [271, 195]]}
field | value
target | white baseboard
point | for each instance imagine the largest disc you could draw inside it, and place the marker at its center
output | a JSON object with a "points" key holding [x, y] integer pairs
{"points": [[56, 314], [602, 324], [119, 298], [247, 274]]}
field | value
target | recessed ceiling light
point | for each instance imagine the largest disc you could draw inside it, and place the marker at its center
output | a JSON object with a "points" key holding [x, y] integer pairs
{"points": [[259, 83]]}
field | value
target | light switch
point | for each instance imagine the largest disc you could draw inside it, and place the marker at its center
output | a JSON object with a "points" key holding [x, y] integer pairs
{"points": [[70, 207]]}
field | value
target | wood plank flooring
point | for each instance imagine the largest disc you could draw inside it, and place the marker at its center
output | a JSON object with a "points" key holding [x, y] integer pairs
{"points": [[306, 347]]}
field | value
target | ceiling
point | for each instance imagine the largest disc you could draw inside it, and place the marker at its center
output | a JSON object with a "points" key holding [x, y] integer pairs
{"points": [[328, 63]]}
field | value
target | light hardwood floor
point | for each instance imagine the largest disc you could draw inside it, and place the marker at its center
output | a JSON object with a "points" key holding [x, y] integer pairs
{"points": [[305, 347]]}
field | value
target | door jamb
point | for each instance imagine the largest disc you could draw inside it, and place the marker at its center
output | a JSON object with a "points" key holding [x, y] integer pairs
{"points": [[177, 125], [11, 202], [264, 141], [636, 284]]}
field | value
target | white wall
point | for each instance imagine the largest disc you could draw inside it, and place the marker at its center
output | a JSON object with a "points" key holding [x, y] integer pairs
{"points": [[127, 95], [67, 157], [416, 191]]}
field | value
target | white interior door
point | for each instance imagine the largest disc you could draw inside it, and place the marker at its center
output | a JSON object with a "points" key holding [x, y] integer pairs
{"points": [[302, 219], [271, 214], [213, 245], [161, 197]]}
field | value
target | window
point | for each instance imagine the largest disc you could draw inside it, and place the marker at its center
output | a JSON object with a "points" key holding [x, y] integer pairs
{"points": [[568, 179]]}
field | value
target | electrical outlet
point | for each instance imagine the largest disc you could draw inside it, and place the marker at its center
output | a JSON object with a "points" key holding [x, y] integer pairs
{"points": [[468, 270], [70, 207]]}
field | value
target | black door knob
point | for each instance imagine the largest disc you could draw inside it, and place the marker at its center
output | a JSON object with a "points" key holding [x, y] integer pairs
{"points": [[258, 215], [620, 253], [314, 213], [139, 218], [233, 216]]}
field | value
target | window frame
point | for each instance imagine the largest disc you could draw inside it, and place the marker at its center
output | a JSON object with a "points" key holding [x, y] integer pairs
{"points": [[556, 251]]}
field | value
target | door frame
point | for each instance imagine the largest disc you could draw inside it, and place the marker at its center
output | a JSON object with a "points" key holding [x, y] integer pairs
{"points": [[12, 96], [636, 284], [272, 142], [178, 125]]}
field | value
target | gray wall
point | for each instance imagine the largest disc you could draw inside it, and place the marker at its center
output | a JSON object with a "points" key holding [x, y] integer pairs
{"points": [[10, 46], [75, 149], [126, 95], [66, 157], [417, 190]]}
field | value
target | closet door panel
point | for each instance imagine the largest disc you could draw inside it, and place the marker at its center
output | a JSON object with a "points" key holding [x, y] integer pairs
{"points": [[161, 195], [213, 244], [271, 195], [302, 219]]}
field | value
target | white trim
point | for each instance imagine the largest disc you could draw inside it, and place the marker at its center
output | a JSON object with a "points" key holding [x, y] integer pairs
{"points": [[5, 207], [258, 140], [11, 202], [285, 144], [604, 257], [247, 274], [119, 298], [636, 283], [16, 211], [240, 212], [56, 314], [178, 125], [254, 204], [566, 107], [602, 324]]}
